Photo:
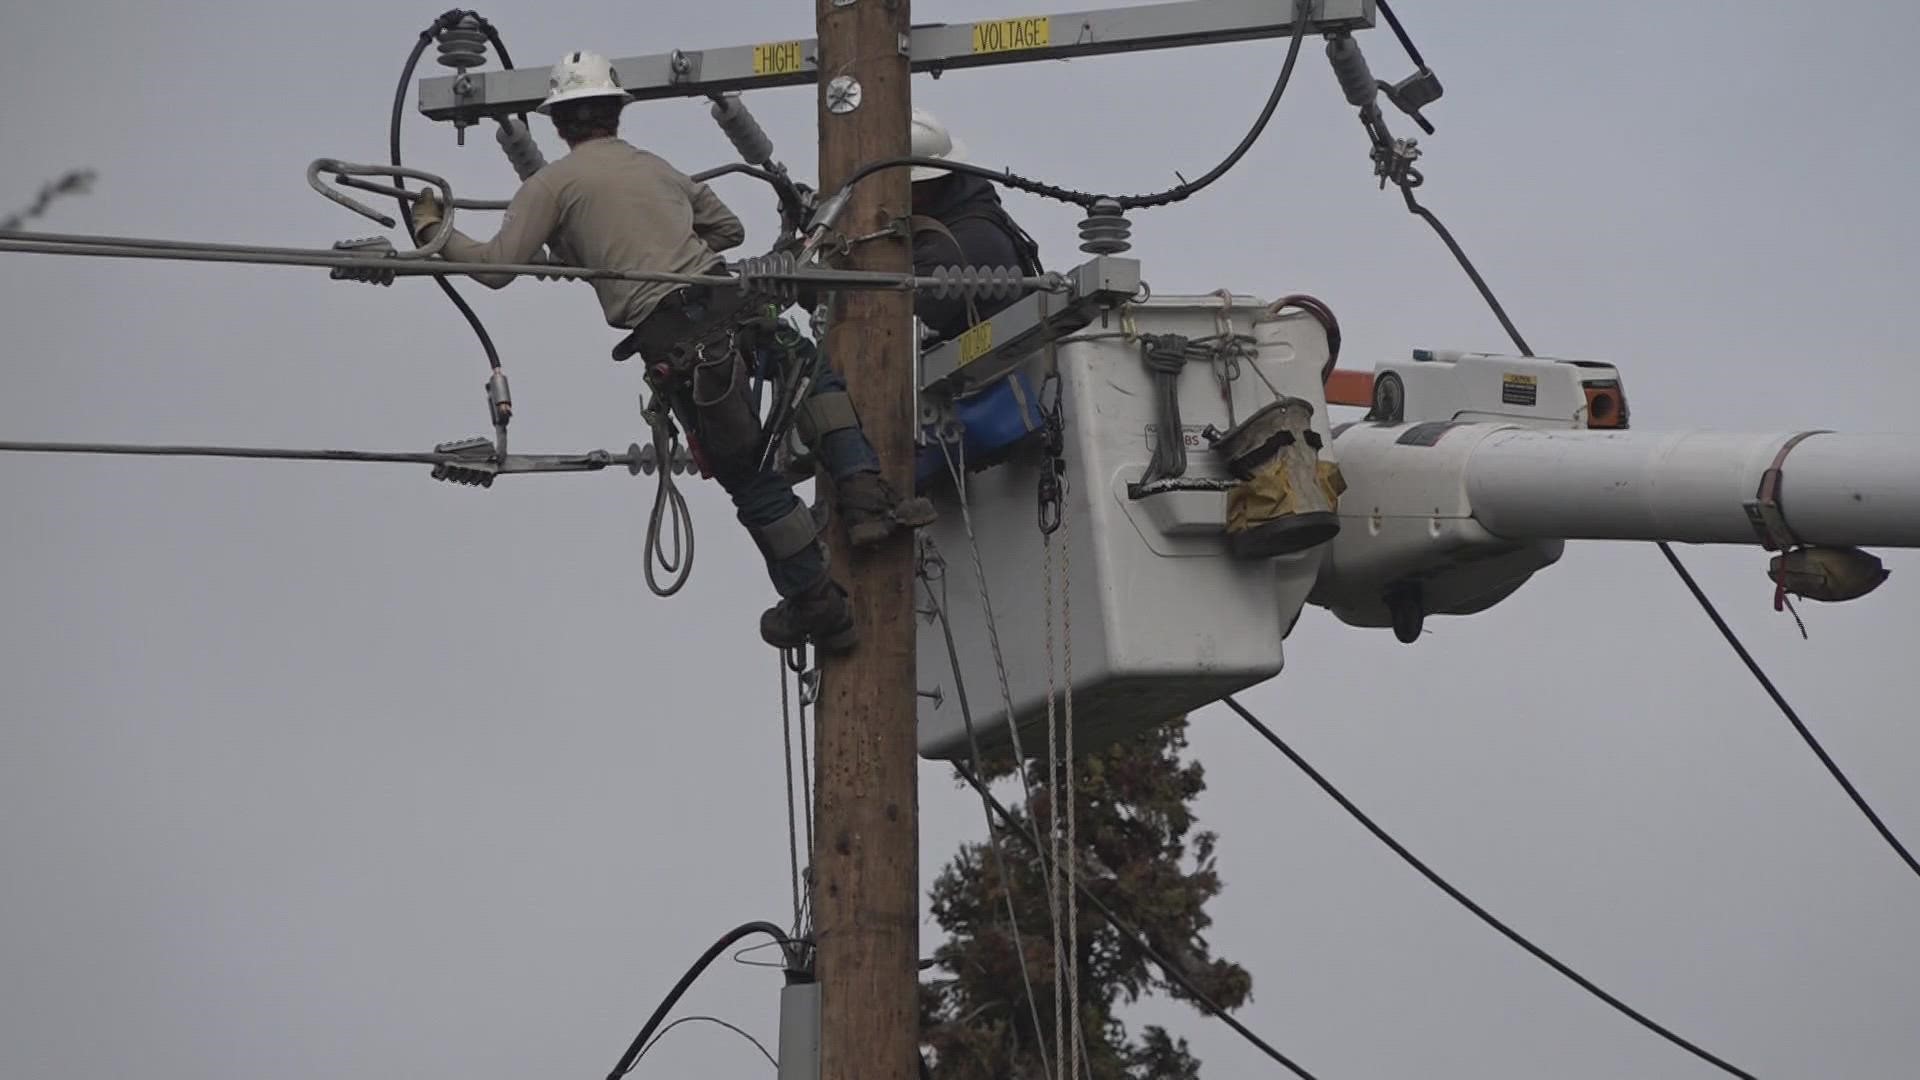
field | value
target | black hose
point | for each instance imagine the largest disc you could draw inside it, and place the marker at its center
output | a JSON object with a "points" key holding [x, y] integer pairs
{"points": [[625, 1064], [393, 153]]}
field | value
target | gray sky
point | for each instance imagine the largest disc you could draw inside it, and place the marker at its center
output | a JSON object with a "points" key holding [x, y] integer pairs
{"points": [[318, 771]]}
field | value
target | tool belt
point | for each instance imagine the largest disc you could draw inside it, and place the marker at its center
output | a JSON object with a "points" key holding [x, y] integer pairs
{"points": [[686, 322]]}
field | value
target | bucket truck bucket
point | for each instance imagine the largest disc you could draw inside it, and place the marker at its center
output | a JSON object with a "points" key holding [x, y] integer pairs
{"points": [[1160, 615]]}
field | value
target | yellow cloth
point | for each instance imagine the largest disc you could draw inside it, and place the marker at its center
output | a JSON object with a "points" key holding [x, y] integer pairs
{"points": [[1292, 483]]}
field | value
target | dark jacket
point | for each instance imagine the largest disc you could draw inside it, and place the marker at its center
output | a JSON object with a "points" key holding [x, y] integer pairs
{"points": [[969, 207]]}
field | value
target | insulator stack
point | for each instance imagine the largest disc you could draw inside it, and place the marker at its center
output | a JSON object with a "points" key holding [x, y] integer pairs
{"points": [[645, 459], [1105, 231], [520, 148], [749, 139], [464, 44], [770, 277], [980, 282], [1350, 67]]}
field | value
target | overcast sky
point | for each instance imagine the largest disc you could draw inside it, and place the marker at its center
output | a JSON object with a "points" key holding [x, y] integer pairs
{"points": [[316, 771]]}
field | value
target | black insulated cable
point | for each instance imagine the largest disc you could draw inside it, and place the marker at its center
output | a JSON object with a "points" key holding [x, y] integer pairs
{"points": [[393, 154], [1467, 902], [627, 1060], [1185, 190], [1406, 42], [1787, 710]]}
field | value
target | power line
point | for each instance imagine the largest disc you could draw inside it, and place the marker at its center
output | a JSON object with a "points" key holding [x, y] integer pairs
{"points": [[642, 1040], [736, 1029], [1467, 902], [1787, 710]]}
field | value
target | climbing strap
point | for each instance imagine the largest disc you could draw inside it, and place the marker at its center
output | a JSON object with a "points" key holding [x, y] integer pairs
{"points": [[791, 534], [823, 414]]}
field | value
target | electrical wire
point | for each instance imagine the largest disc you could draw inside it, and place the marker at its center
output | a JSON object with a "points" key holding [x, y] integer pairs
{"points": [[1686, 577], [1467, 902], [393, 154], [1406, 41], [1186, 189], [737, 1030], [1787, 710], [271, 453], [1137, 939], [640, 1041]]}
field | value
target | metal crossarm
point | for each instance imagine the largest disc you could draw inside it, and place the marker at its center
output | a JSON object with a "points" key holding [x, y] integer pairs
{"points": [[934, 48]]}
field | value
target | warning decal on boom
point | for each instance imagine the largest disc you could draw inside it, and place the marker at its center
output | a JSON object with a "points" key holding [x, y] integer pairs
{"points": [[1012, 35], [1520, 390]]}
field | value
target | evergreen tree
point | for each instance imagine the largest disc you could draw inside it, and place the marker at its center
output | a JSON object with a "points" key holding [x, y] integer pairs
{"points": [[1141, 856]]}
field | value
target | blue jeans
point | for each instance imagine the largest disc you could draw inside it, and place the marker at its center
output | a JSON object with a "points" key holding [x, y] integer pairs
{"points": [[764, 496]]}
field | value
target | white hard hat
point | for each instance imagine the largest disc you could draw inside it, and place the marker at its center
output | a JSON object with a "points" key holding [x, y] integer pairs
{"points": [[582, 75], [932, 139]]}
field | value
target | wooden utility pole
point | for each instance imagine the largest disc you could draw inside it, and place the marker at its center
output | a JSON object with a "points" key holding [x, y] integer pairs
{"points": [[866, 866]]}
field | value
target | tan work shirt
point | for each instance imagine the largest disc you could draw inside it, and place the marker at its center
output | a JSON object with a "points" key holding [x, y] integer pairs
{"points": [[611, 206]]}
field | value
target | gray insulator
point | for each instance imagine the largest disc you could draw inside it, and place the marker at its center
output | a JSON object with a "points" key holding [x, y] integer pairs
{"points": [[746, 134], [1350, 67], [1105, 231], [768, 276], [520, 148], [981, 282], [463, 45]]}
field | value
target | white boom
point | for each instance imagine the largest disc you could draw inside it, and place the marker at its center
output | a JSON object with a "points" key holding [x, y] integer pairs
{"points": [[1694, 487]]}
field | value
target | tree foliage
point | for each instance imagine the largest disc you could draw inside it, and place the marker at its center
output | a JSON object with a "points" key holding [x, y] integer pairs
{"points": [[1141, 855]]}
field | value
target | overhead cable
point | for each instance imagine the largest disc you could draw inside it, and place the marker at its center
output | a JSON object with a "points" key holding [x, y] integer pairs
{"points": [[1787, 710], [735, 1028], [1138, 940], [641, 1041], [942, 282], [1184, 190], [1467, 902]]}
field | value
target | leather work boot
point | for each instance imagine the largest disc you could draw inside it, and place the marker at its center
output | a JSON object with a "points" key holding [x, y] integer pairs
{"points": [[821, 615], [873, 510]]}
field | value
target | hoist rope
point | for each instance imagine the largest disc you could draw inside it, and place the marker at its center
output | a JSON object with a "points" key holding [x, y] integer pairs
{"points": [[1072, 793], [1136, 939], [993, 837], [957, 470], [1467, 902]]}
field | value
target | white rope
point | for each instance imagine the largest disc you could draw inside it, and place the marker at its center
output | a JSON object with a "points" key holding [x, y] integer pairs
{"points": [[1071, 892], [1061, 959]]}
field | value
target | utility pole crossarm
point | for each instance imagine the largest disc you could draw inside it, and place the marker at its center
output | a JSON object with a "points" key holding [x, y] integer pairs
{"points": [[934, 48]]}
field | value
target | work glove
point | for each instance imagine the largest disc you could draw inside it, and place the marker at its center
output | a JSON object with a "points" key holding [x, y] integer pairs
{"points": [[427, 216]]}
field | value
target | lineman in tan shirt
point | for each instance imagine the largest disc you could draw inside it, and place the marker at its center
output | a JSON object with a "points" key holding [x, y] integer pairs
{"points": [[610, 205]]}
